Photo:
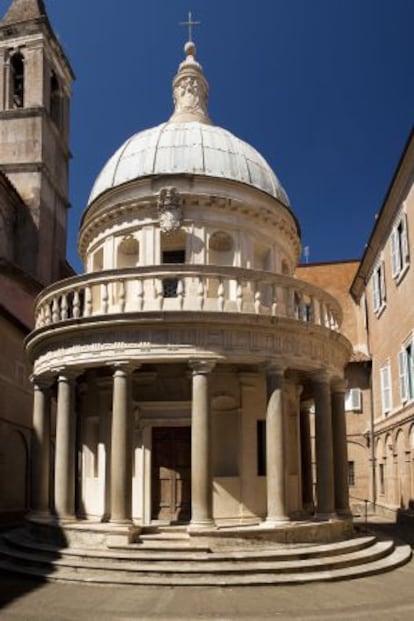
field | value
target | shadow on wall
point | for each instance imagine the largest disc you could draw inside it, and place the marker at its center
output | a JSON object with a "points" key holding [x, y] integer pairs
{"points": [[14, 477]]}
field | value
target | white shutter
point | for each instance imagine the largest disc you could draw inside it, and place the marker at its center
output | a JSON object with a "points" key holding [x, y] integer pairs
{"points": [[356, 399], [385, 389], [376, 290], [395, 252], [404, 240], [403, 370], [353, 400], [383, 295], [410, 371]]}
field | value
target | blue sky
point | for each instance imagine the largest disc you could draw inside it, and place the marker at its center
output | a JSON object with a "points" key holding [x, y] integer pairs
{"points": [[322, 88]]}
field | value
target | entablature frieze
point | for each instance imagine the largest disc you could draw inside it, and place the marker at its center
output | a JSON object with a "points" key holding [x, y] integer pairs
{"points": [[283, 343]]}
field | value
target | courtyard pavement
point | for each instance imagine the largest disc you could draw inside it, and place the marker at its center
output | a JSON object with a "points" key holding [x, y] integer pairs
{"points": [[388, 596]]}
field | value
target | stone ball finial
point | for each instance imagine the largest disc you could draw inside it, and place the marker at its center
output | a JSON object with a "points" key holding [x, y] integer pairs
{"points": [[190, 48]]}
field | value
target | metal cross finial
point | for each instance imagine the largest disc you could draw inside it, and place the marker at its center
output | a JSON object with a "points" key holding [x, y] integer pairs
{"points": [[190, 25]]}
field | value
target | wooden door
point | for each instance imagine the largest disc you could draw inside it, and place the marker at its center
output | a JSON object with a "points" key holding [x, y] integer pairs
{"points": [[171, 473]]}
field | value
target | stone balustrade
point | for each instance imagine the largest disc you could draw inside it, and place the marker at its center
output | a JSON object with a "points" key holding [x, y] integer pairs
{"points": [[179, 287]]}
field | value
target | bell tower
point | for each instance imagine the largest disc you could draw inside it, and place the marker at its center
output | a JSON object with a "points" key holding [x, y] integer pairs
{"points": [[35, 92]]}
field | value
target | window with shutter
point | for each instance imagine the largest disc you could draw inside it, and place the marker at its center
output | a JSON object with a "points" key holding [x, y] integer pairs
{"points": [[395, 254], [353, 400], [402, 366], [404, 240], [400, 250], [378, 288], [406, 373], [376, 291], [385, 375]]}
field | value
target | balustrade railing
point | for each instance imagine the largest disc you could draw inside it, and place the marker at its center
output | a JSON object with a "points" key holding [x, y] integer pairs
{"points": [[186, 288]]}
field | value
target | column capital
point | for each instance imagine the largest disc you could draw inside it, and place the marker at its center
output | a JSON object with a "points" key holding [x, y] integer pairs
{"points": [[306, 405], [339, 385], [321, 377], [201, 366], [67, 373], [123, 368], [41, 382], [274, 368]]}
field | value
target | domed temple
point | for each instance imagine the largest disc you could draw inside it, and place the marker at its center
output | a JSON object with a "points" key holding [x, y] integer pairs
{"points": [[189, 389], [187, 357]]}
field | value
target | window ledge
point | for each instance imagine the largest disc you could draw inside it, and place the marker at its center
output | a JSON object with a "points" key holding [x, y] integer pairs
{"points": [[400, 276], [380, 310]]}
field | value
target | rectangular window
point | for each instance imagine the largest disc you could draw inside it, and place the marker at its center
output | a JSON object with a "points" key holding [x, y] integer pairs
{"points": [[261, 448], [353, 400], [378, 287], [386, 396], [406, 373], [400, 255], [351, 473], [170, 285]]}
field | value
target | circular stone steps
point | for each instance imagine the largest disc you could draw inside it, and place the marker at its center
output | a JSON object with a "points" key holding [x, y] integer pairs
{"points": [[187, 565]]}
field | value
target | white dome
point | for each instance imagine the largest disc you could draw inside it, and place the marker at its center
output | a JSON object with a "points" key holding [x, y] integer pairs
{"points": [[188, 147]]}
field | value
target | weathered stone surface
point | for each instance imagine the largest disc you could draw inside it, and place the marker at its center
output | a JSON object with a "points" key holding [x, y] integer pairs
{"points": [[24, 10]]}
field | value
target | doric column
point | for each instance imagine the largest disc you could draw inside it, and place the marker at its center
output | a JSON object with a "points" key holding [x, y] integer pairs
{"points": [[121, 447], [306, 455], [40, 448], [275, 449], [340, 450], [201, 467], [324, 447], [65, 447]]}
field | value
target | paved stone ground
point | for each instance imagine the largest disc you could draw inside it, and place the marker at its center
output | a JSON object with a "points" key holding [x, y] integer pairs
{"points": [[388, 596]]}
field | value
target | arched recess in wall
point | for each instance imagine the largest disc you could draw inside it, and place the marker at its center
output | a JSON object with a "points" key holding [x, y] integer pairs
{"points": [[221, 249], [402, 482], [15, 473], [380, 467], [127, 252], [411, 448], [390, 495], [17, 81], [285, 268]]}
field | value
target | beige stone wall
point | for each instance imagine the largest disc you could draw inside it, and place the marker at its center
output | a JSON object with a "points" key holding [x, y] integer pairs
{"points": [[391, 330], [15, 421], [337, 278]]}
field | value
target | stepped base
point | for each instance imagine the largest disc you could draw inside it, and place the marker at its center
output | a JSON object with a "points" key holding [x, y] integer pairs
{"points": [[174, 557]]}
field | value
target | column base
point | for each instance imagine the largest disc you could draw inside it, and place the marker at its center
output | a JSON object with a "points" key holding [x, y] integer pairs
{"points": [[64, 519], [272, 522], [195, 527], [309, 508], [43, 517], [121, 522], [344, 514], [325, 517]]}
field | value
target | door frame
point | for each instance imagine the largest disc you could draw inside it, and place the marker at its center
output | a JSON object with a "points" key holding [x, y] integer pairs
{"points": [[155, 414], [173, 489]]}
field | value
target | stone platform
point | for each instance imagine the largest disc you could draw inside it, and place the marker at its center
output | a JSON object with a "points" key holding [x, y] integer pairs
{"points": [[227, 556]]}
